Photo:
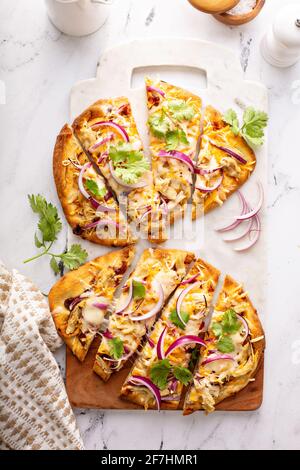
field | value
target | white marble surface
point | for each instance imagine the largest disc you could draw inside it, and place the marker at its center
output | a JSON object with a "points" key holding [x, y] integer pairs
{"points": [[38, 66]]}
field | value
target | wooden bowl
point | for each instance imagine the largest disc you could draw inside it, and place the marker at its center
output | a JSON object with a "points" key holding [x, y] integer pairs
{"points": [[236, 20], [214, 6]]}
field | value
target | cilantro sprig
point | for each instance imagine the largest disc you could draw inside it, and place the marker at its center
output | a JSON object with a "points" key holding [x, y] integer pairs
{"points": [[116, 348], [139, 290], [93, 187], [176, 320], [49, 226], [162, 371], [180, 110], [129, 164], [253, 127], [229, 325]]}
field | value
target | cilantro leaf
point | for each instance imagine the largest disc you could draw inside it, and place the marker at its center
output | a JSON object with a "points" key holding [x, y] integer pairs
{"points": [[159, 373], [217, 329], [159, 124], [74, 257], [37, 241], [255, 122], [49, 222], [176, 320], [93, 187], [129, 164], [175, 138], [182, 374], [225, 344], [139, 290], [54, 265], [230, 322], [230, 117], [180, 110], [116, 348]]}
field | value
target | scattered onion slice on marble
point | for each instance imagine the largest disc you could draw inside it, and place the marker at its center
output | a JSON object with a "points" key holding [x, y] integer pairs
{"points": [[235, 223], [181, 298], [182, 157], [252, 242], [156, 90], [118, 180], [114, 125], [217, 357], [231, 152], [183, 341], [161, 298], [254, 212], [160, 348], [139, 380]]}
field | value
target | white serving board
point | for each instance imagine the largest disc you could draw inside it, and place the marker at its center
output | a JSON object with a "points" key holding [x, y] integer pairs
{"points": [[186, 63]]}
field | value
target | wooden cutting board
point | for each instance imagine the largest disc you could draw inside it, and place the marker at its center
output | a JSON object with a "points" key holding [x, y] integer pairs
{"points": [[86, 390], [214, 73]]}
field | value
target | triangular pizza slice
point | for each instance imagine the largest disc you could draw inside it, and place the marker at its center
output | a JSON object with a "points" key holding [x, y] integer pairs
{"points": [[80, 301], [234, 345], [225, 162], [174, 127], [88, 204]]}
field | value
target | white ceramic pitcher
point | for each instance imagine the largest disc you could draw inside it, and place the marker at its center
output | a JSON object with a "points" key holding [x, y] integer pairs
{"points": [[78, 17]]}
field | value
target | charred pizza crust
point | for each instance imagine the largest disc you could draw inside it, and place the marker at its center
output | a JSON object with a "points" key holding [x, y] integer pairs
{"points": [[207, 389], [68, 157], [196, 305], [233, 173], [95, 281], [166, 267]]}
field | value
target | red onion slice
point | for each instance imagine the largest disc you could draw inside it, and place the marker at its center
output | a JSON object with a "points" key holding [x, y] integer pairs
{"points": [[139, 380], [107, 334], [157, 307], [118, 180], [229, 151], [80, 180], [236, 223], [183, 341], [245, 324], [160, 348], [190, 280], [206, 189], [255, 211], [100, 305], [181, 298], [205, 171], [219, 357], [257, 229], [103, 208], [128, 299], [76, 165], [241, 235], [156, 90], [114, 125], [182, 157], [101, 142]]}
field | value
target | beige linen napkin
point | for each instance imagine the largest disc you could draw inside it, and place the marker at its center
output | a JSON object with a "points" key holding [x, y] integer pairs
{"points": [[34, 409]]}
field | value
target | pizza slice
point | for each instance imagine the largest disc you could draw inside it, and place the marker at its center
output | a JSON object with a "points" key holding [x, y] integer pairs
{"points": [[225, 163], [89, 206], [174, 127], [155, 277], [80, 301], [108, 132], [163, 367], [234, 345]]}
